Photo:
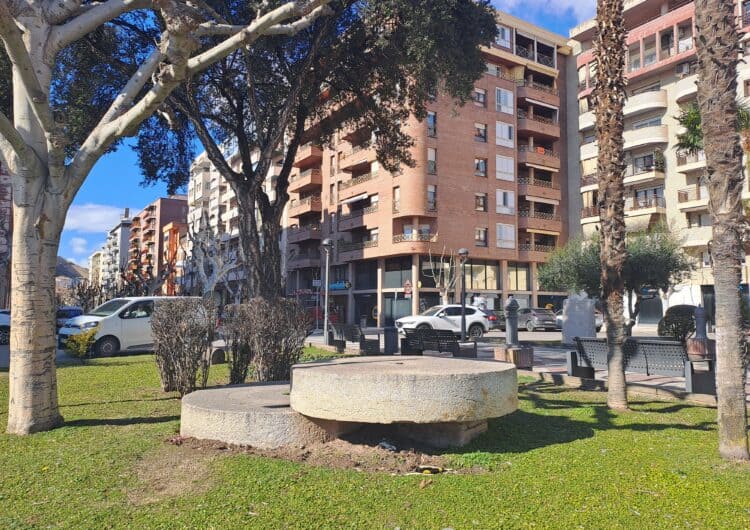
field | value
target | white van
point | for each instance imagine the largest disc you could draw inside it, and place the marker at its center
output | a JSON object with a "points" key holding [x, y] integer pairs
{"points": [[123, 324]]}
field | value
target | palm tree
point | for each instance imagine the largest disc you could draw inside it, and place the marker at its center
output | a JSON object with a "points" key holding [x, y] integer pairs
{"points": [[717, 51], [609, 100]]}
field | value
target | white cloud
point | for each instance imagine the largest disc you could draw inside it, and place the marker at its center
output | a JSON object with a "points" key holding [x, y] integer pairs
{"points": [[92, 218], [580, 9], [79, 245]]}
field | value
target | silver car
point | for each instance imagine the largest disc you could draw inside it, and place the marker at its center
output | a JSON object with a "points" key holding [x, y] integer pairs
{"points": [[536, 318]]}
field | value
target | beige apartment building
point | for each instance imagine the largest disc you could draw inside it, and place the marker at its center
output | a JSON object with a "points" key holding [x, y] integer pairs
{"points": [[663, 184], [488, 177]]}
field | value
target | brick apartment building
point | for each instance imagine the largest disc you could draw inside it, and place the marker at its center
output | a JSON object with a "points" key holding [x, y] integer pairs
{"points": [[147, 232], [663, 184], [488, 177]]}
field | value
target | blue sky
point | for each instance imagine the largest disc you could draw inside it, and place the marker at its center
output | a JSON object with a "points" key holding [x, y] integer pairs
{"points": [[114, 183]]}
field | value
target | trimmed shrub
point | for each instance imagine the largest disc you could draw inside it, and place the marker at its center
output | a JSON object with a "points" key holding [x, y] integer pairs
{"points": [[183, 330], [80, 345], [678, 323]]}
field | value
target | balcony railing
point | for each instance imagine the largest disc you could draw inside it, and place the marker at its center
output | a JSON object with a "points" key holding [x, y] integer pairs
{"points": [[524, 52], [535, 247], [538, 150], [692, 194], [311, 200], [425, 238], [589, 211], [538, 182], [590, 179], [357, 245], [642, 204], [359, 213], [539, 86], [523, 115], [358, 180], [746, 18], [684, 159], [535, 214]]}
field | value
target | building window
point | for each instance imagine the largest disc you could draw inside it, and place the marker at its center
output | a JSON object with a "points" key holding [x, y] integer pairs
{"points": [[480, 97], [504, 36], [506, 235], [649, 122], [331, 194], [431, 160], [333, 165], [480, 237], [519, 276], [431, 197], [697, 219], [431, 124], [504, 134], [746, 86], [505, 168], [506, 202], [705, 259], [492, 69], [397, 199], [503, 100], [480, 132], [480, 202], [480, 167]]}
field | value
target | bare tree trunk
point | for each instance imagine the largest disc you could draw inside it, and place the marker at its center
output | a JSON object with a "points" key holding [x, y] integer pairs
{"points": [[717, 51], [33, 383], [609, 100]]}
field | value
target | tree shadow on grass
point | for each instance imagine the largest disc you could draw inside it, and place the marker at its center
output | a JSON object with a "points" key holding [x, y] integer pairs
{"points": [[526, 430], [96, 422], [112, 402]]}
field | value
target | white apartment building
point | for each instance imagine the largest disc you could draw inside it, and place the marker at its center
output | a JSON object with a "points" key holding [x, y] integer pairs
{"points": [[663, 184], [114, 253], [95, 268]]}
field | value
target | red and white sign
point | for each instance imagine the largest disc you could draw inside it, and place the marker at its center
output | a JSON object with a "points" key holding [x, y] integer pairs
{"points": [[407, 288]]}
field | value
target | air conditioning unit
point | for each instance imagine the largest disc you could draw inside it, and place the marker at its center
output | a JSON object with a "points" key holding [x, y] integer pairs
{"points": [[682, 69]]}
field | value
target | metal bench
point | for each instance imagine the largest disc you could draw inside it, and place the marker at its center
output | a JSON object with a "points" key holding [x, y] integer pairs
{"points": [[644, 356], [353, 333], [417, 341]]}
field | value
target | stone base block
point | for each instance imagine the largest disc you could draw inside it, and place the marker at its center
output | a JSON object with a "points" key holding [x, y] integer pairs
{"points": [[443, 435], [256, 415], [522, 357], [701, 349]]}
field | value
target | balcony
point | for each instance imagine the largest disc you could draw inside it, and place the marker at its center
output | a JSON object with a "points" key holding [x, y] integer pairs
{"points": [[535, 251], [646, 101], [298, 234], [538, 156], [308, 154], [686, 88], [537, 187], [355, 186], [536, 220], [590, 181], [692, 198], [697, 236], [299, 207], [586, 120], [348, 251], [540, 58], [537, 91], [359, 156], [357, 218], [414, 237], [690, 162], [589, 150], [304, 260], [539, 125], [589, 214], [656, 134], [649, 206], [305, 180], [643, 174]]}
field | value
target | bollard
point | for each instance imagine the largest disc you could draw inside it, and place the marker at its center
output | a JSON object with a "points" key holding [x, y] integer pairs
{"points": [[700, 323], [511, 321], [390, 340]]}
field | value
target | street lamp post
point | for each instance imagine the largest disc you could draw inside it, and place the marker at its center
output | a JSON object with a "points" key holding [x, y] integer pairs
{"points": [[463, 254], [327, 244]]}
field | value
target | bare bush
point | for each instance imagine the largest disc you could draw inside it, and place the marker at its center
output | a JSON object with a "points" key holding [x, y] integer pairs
{"points": [[268, 335], [183, 331]]}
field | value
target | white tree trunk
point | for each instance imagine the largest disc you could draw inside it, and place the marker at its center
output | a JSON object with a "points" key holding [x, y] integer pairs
{"points": [[33, 383]]}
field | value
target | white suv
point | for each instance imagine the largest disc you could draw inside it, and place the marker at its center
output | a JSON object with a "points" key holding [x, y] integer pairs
{"points": [[122, 324], [448, 317]]}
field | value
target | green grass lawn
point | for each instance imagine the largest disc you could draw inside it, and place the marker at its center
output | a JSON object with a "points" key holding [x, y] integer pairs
{"points": [[561, 461]]}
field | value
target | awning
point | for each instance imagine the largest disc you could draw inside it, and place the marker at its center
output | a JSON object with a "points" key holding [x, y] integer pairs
{"points": [[544, 200], [543, 168], [356, 198], [543, 232], [695, 243], [542, 104]]}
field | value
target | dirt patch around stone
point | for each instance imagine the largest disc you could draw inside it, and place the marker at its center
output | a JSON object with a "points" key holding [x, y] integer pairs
{"points": [[171, 472], [360, 451]]}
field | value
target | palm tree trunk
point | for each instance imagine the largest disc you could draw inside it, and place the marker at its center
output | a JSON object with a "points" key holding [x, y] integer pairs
{"points": [[609, 100], [717, 84]]}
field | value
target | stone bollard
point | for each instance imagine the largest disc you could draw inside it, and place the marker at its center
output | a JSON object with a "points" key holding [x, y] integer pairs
{"points": [[511, 321], [700, 347], [390, 340]]}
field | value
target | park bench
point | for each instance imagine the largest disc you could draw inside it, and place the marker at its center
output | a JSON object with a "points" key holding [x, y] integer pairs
{"points": [[644, 356], [353, 333], [417, 341]]}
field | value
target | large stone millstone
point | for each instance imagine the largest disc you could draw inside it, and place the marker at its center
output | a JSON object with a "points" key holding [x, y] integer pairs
{"points": [[404, 389]]}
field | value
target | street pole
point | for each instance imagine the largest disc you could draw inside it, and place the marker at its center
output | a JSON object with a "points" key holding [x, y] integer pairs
{"points": [[463, 254], [327, 243]]}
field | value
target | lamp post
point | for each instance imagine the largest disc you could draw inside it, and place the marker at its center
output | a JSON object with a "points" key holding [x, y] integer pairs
{"points": [[463, 254], [327, 244]]}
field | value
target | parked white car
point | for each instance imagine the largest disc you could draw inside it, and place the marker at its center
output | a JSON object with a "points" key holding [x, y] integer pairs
{"points": [[448, 317], [122, 324]]}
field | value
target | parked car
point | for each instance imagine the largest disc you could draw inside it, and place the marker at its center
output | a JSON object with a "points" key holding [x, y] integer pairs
{"points": [[4, 326], [66, 313], [598, 318], [448, 317], [496, 318], [536, 318], [122, 324]]}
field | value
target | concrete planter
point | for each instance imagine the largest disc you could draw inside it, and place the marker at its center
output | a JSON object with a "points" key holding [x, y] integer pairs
{"points": [[521, 356]]}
